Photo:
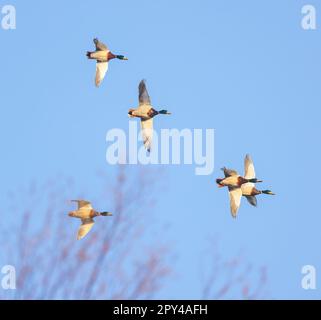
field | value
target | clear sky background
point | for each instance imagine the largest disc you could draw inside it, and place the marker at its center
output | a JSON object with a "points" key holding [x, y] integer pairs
{"points": [[245, 68]]}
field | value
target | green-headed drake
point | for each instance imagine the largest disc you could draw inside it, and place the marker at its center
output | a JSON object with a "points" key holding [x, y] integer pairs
{"points": [[86, 213], [234, 182], [248, 189], [146, 113], [102, 55]]}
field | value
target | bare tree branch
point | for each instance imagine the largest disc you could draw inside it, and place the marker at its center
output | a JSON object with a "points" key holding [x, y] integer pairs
{"points": [[112, 262]]}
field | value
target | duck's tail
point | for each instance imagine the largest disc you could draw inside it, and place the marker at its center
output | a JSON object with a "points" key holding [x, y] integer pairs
{"points": [[130, 113], [218, 181], [88, 54]]}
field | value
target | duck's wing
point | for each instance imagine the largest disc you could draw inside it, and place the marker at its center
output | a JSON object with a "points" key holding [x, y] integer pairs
{"points": [[100, 46], [101, 70], [229, 172], [83, 204], [252, 200], [147, 133], [85, 227], [143, 94], [235, 200], [249, 168]]}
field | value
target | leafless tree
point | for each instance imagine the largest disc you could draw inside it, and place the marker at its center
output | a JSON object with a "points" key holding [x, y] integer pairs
{"points": [[234, 278], [111, 262]]}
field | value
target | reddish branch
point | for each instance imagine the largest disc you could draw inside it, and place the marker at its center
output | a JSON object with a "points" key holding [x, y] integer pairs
{"points": [[112, 262], [233, 279]]}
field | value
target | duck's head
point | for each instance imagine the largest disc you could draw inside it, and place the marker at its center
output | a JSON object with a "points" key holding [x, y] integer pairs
{"points": [[106, 214], [268, 192], [254, 180], [164, 112], [121, 57]]}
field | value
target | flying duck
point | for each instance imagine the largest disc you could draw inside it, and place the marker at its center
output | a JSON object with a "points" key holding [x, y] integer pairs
{"points": [[102, 55], [87, 214], [248, 189], [146, 113], [234, 183]]}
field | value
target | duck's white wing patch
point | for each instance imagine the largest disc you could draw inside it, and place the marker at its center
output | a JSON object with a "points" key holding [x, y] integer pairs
{"points": [[101, 70], [86, 226], [83, 204], [235, 200], [147, 133], [249, 168]]}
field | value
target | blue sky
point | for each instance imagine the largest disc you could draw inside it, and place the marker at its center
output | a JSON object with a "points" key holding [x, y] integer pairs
{"points": [[245, 68]]}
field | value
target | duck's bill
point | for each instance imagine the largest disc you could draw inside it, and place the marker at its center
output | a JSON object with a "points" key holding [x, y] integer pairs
{"points": [[125, 58]]}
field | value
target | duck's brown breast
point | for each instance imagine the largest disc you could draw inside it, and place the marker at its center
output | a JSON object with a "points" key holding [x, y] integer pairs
{"points": [[152, 113], [255, 192], [110, 56], [241, 181], [92, 213]]}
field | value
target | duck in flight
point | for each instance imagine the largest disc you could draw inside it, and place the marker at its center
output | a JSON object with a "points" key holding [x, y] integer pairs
{"points": [[146, 113], [248, 189], [86, 213], [234, 182], [102, 55]]}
